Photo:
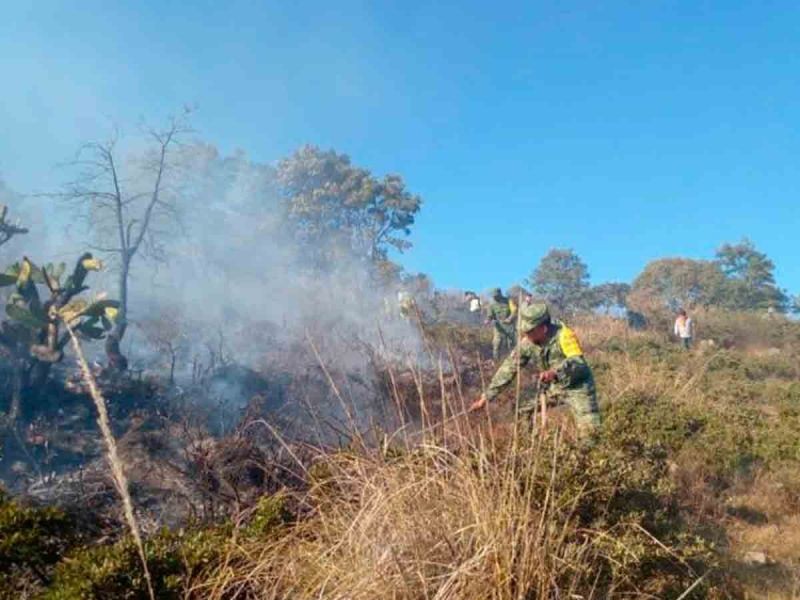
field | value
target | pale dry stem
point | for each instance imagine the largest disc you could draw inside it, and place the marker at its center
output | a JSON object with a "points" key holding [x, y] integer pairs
{"points": [[117, 471]]}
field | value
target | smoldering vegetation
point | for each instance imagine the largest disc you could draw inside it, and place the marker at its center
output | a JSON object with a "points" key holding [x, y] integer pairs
{"points": [[256, 293], [240, 294]]}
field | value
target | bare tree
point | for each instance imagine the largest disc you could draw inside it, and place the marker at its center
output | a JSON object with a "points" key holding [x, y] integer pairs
{"points": [[129, 202], [167, 333]]}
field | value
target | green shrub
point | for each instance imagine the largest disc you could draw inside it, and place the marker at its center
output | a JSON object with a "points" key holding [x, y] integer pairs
{"points": [[778, 365], [725, 437], [115, 571], [726, 362], [619, 494], [777, 439], [270, 512], [726, 440], [630, 494], [645, 422], [173, 559], [31, 541]]}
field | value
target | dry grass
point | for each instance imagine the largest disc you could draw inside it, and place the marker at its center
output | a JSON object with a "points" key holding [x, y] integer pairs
{"points": [[498, 513], [596, 330], [480, 509], [116, 465], [437, 526], [486, 511]]}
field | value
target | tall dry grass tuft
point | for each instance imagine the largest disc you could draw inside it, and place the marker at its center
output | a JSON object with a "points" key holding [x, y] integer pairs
{"points": [[595, 330], [477, 521], [427, 524]]}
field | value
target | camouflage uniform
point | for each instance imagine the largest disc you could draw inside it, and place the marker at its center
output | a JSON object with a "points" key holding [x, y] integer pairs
{"points": [[503, 338], [561, 352]]}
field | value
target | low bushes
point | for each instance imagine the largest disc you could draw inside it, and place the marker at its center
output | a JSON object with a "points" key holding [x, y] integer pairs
{"points": [[32, 540], [115, 571]]}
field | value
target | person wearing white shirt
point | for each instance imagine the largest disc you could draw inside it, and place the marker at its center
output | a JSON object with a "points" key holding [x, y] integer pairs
{"points": [[684, 328], [474, 304]]}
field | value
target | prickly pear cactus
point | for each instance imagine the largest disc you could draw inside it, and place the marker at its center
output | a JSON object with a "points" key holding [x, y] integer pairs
{"points": [[32, 327]]}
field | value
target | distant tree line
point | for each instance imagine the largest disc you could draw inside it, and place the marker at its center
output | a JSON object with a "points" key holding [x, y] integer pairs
{"points": [[739, 278]]}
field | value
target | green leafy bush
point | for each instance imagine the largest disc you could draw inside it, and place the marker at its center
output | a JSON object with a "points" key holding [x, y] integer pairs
{"points": [[115, 571], [32, 540], [173, 558], [270, 512]]}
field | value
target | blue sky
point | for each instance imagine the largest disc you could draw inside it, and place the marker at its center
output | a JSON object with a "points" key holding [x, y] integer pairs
{"points": [[626, 131]]}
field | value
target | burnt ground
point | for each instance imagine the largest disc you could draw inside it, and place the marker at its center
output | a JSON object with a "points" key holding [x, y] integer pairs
{"points": [[207, 449]]}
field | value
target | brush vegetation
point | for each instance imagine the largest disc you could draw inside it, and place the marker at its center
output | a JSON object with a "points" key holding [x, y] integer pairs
{"points": [[691, 491]]}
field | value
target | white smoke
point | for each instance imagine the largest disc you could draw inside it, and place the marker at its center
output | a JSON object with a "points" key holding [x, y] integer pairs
{"points": [[237, 267], [233, 287]]}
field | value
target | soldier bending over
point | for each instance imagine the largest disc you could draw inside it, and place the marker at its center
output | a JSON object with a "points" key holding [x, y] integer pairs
{"points": [[563, 365]]}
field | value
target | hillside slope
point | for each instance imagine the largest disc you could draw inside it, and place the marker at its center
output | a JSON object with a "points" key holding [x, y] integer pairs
{"points": [[692, 490]]}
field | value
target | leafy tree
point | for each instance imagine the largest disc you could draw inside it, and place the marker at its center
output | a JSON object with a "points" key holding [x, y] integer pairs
{"points": [[562, 279], [388, 273], [608, 296], [129, 203], [750, 278], [339, 211], [674, 282]]}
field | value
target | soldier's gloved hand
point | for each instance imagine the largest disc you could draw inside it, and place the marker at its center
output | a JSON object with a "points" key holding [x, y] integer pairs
{"points": [[478, 404], [548, 376]]}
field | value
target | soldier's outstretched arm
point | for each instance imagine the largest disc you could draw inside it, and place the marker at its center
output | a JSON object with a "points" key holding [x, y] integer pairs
{"points": [[508, 370], [503, 377]]}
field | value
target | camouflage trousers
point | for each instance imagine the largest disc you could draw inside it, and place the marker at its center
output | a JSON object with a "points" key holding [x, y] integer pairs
{"points": [[582, 401], [502, 341]]}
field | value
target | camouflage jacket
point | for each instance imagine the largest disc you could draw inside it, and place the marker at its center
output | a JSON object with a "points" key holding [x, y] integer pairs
{"points": [[500, 311], [561, 352]]}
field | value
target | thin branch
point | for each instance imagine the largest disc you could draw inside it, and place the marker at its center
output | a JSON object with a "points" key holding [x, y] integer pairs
{"points": [[102, 249], [128, 233], [156, 187], [118, 206]]}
